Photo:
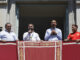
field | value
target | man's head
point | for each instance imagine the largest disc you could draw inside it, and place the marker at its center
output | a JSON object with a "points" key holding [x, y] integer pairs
{"points": [[8, 27], [74, 28], [31, 26], [53, 23]]}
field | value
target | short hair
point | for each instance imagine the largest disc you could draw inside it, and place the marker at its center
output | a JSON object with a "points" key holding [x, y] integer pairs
{"points": [[31, 24], [7, 23], [75, 25], [53, 20]]}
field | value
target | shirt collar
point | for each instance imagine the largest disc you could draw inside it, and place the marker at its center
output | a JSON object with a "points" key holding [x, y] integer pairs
{"points": [[7, 31], [53, 28]]}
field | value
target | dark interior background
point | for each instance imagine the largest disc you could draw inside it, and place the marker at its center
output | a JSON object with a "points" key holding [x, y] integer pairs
{"points": [[40, 23], [40, 16]]}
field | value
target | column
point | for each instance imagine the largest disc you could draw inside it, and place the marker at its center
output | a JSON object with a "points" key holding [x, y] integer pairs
{"points": [[13, 17], [78, 16], [71, 14]]}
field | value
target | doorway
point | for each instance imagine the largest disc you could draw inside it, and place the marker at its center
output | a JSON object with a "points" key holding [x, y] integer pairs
{"points": [[40, 16]]}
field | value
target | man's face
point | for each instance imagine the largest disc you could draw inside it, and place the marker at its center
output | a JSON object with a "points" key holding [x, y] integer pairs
{"points": [[8, 27], [30, 26], [53, 23], [74, 29]]}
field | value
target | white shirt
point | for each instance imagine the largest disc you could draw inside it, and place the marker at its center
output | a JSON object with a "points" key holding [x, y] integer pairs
{"points": [[8, 36], [31, 36], [50, 37]]}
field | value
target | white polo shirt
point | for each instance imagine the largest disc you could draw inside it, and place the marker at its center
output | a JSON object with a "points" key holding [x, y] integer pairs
{"points": [[31, 36], [8, 36]]}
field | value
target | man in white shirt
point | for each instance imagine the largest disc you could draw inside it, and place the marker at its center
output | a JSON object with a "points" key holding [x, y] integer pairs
{"points": [[31, 35], [7, 34], [53, 33]]}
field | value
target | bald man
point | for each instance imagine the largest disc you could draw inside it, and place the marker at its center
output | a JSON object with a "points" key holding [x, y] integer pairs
{"points": [[53, 33]]}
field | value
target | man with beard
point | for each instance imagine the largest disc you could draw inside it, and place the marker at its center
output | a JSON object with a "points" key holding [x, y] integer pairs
{"points": [[31, 35]]}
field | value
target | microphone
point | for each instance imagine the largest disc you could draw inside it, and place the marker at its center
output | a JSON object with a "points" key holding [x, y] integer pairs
{"points": [[30, 30]]}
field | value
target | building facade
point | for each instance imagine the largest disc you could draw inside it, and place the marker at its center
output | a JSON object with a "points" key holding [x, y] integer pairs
{"points": [[39, 12]]}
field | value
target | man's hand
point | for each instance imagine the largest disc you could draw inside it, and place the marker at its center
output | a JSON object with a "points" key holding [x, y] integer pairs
{"points": [[78, 40], [53, 32], [2, 40], [29, 31], [66, 40]]}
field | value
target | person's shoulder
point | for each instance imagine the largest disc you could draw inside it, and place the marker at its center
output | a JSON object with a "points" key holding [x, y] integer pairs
{"points": [[25, 33], [58, 29], [36, 33], [78, 33], [3, 31], [13, 33], [48, 29]]}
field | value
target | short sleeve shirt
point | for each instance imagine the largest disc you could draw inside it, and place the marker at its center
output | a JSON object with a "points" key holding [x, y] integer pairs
{"points": [[74, 36]]}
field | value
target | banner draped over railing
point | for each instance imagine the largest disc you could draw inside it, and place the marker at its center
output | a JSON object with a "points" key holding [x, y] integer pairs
{"points": [[8, 51], [23, 50], [39, 50], [71, 51]]}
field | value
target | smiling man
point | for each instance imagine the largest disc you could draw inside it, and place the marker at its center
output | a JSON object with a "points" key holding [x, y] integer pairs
{"points": [[75, 35], [7, 34]]}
